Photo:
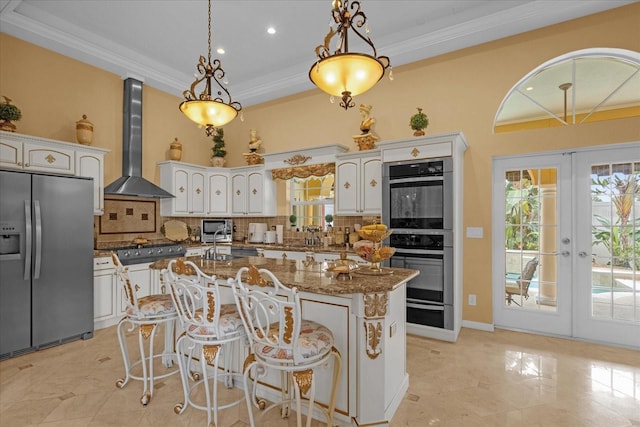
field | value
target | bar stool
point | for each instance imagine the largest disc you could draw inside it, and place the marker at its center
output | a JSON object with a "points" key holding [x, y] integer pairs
{"points": [[145, 313], [282, 340], [212, 330]]}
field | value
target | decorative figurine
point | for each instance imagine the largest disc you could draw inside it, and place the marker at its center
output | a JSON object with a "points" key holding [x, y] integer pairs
{"points": [[367, 139], [254, 141], [367, 121]]}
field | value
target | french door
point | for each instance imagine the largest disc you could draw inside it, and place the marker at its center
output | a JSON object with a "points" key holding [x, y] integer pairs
{"points": [[532, 243], [607, 278], [566, 244]]}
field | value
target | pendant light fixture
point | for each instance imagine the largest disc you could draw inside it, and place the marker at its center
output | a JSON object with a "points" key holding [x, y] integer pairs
{"points": [[207, 109], [343, 73]]}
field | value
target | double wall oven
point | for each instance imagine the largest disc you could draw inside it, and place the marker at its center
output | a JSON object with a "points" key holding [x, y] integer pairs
{"points": [[418, 205]]}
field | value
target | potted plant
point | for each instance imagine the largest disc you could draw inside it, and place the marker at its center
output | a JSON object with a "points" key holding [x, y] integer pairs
{"points": [[8, 112], [329, 219], [292, 220], [419, 122], [218, 152]]}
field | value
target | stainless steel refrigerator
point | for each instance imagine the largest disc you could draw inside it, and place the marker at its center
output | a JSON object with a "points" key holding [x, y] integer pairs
{"points": [[46, 260]]}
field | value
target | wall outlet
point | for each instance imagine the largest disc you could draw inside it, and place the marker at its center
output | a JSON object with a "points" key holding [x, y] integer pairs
{"points": [[472, 299]]}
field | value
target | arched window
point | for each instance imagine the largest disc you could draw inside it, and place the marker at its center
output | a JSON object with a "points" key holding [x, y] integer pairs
{"points": [[578, 87]]}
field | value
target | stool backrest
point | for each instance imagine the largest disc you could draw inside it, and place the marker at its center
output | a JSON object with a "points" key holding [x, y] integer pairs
{"points": [[196, 297], [129, 290], [269, 310]]}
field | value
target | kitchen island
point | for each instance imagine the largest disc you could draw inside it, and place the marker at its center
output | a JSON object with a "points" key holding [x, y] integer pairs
{"points": [[367, 317]]}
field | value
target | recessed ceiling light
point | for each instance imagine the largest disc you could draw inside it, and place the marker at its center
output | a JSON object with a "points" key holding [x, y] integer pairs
{"points": [[530, 88], [220, 51], [271, 30]]}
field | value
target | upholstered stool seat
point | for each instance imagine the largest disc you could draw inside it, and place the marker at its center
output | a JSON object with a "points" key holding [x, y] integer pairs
{"points": [[146, 313], [314, 342]]}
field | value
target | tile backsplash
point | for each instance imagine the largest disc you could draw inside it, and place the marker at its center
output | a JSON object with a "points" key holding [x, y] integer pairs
{"points": [[120, 233]]}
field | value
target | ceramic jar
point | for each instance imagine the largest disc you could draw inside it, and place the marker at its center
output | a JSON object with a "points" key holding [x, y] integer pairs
{"points": [[175, 150], [84, 131]]}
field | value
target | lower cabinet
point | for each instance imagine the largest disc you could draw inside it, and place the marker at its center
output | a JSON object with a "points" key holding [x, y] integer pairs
{"points": [[109, 303], [104, 292]]}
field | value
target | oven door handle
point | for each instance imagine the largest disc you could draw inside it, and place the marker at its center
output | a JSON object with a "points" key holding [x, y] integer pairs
{"points": [[409, 252], [415, 179], [425, 306]]}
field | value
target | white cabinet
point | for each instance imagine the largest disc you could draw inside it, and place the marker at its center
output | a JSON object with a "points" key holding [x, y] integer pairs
{"points": [[443, 145], [109, 303], [187, 184], [218, 203], [279, 254], [35, 154], [216, 192], [358, 186], [104, 293], [140, 278], [91, 164], [31, 155], [252, 192]]}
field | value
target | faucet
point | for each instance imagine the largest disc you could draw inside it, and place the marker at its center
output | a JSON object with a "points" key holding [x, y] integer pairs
{"points": [[212, 252], [313, 240]]}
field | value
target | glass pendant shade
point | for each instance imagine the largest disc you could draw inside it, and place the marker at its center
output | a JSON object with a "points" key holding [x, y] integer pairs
{"points": [[355, 73], [208, 113], [203, 108]]}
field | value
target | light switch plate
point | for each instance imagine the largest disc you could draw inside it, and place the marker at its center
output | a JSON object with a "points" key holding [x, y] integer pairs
{"points": [[475, 232]]}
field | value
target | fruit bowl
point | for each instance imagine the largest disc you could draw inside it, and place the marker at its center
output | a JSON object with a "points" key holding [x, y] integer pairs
{"points": [[375, 255], [375, 236]]}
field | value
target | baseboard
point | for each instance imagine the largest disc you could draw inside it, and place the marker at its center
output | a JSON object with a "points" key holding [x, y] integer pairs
{"points": [[478, 325]]}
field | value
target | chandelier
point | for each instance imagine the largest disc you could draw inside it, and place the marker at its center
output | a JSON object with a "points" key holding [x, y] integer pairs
{"points": [[343, 73], [206, 109]]}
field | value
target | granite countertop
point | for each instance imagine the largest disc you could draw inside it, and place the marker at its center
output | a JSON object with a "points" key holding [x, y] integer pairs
{"points": [[275, 247], [307, 277]]}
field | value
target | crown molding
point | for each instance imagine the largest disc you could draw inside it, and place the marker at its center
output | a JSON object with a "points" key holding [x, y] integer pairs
{"points": [[22, 20]]}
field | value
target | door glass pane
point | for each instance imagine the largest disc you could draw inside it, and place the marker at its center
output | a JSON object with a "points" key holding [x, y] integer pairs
{"points": [[615, 207], [531, 224]]}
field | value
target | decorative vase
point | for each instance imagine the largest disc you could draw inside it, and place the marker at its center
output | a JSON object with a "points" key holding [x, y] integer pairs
{"points": [[175, 150], [84, 131], [217, 162]]}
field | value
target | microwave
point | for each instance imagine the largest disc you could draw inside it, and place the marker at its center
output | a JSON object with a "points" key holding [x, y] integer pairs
{"points": [[209, 228]]}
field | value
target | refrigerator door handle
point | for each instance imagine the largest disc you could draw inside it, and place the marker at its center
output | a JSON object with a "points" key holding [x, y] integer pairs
{"points": [[27, 240], [38, 257]]}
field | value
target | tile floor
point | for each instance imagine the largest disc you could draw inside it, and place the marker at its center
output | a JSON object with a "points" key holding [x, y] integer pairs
{"points": [[502, 378]]}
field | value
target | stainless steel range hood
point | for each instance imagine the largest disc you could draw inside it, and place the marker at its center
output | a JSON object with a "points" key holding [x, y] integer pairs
{"points": [[131, 183]]}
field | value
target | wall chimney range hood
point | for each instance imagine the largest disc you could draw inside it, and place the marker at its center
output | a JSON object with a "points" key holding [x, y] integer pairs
{"points": [[131, 183]]}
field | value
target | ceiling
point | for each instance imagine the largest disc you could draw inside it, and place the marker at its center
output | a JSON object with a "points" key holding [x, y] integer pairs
{"points": [[160, 41]]}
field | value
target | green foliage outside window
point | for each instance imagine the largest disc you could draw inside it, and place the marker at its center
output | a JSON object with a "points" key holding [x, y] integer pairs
{"points": [[521, 215]]}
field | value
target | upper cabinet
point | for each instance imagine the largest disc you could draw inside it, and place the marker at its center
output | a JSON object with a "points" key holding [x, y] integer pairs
{"points": [[188, 184], [216, 192], [358, 188], [35, 154], [252, 192], [218, 202]]}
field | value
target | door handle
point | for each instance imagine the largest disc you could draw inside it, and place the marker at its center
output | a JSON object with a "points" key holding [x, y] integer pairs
{"points": [[565, 253], [36, 211], [582, 254], [27, 240]]}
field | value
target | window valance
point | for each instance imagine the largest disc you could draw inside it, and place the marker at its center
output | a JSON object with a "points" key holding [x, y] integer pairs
{"points": [[320, 169]]}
